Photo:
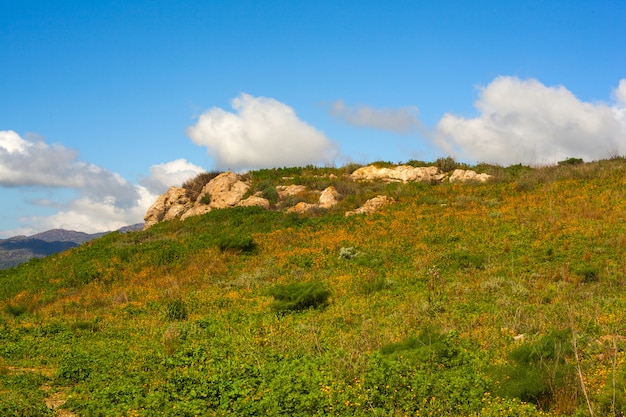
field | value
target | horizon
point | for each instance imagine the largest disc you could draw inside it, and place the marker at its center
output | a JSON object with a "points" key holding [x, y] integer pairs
{"points": [[107, 106]]}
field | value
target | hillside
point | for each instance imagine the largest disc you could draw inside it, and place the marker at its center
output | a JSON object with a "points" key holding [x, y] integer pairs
{"points": [[503, 298], [19, 249]]}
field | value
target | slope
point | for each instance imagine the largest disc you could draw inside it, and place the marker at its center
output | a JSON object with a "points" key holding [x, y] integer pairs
{"points": [[491, 299]]}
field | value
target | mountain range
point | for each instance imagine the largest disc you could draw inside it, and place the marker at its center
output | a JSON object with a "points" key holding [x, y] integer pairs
{"points": [[19, 249]]}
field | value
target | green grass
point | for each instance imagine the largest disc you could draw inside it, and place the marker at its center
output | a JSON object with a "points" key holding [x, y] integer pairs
{"points": [[458, 299]]}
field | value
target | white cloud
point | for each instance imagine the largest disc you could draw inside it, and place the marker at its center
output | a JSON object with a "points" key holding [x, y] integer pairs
{"points": [[98, 200], [174, 173], [261, 133], [524, 121], [401, 120]]}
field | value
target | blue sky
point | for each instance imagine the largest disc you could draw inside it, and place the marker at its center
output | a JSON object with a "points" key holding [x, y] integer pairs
{"points": [[103, 105]]}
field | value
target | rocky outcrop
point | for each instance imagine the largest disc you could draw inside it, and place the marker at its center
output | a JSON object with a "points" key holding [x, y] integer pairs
{"points": [[255, 201], [289, 190], [225, 190], [228, 189], [401, 173], [168, 206], [371, 205], [328, 198], [464, 175]]}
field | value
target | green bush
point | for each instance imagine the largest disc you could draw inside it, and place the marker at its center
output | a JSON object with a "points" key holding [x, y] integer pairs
{"points": [[447, 164], [299, 296], [15, 310], [571, 161], [541, 369], [176, 310], [74, 367], [236, 243], [193, 186], [465, 260]]}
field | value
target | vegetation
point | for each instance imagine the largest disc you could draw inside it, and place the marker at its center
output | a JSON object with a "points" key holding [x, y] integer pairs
{"points": [[497, 299]]}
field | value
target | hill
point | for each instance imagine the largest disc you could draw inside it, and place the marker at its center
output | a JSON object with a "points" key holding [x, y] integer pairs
{"points": [[464, 299], [19, 249]]}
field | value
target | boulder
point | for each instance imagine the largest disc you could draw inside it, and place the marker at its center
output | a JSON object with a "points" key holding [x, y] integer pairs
{"points": [[371, 205], [287, 190], [329, 197], [464, 175], [173, 203], [401, 173], [225, 190], [196, 210], [302, 207], [255, 201]]}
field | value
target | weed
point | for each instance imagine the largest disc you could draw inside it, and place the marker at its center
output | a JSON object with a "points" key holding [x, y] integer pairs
{"points": [[176, 309], [236, 243], [299, 296], [15, 310]]}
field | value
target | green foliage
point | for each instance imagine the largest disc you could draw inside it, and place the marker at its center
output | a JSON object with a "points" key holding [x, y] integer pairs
{"points": [[541, 369], [588, 273], [15, 310], [268, 191], [299, 296], [205, 199], [447, 164], [176, 309], [76, 366], [236, 243], [571, 161], [462, 259]]}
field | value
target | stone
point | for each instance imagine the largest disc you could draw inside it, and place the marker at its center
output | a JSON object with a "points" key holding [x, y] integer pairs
{"points": [[401, 173], [225, 190], [464, 175], [255, 201], [288, 190], [302, 207], [173, 203], [371, 205], [329, 198]]}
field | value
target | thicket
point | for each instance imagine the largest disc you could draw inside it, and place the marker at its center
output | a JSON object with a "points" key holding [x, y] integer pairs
{"points": [[497, 299]]}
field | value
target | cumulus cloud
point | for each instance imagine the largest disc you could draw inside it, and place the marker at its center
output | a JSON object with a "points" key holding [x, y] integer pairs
{"points": [[174, 173], [99, 200], [401, 120], [524, 121], [261, 133]]}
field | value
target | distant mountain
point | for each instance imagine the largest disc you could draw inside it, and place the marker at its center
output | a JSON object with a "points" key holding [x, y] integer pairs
{"points": [[19, 249]]}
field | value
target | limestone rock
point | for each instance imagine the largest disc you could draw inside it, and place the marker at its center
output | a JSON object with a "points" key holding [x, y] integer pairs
{"points": [[255, 201], [302, 207], [371, 205], [287, 190], [169, 205], [196, 210], [329, 197], [462, 175], [225, 190], [401, 173]]}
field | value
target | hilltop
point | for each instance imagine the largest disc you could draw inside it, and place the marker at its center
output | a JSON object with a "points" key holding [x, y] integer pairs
{"points": [[496, 298]]}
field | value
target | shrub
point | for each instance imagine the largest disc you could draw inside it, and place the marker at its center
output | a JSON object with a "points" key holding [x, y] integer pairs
{"points": [[299, 296], [194, 186], [176, 310], [236, 243], [447, 164], [74, 367], [465, 260], [588, 273], [541, 370], [571, 161], [15, 310], [268, 191]]}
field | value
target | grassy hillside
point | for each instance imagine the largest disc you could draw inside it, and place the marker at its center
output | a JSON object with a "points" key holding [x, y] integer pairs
{"points": [[498, 299]]}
